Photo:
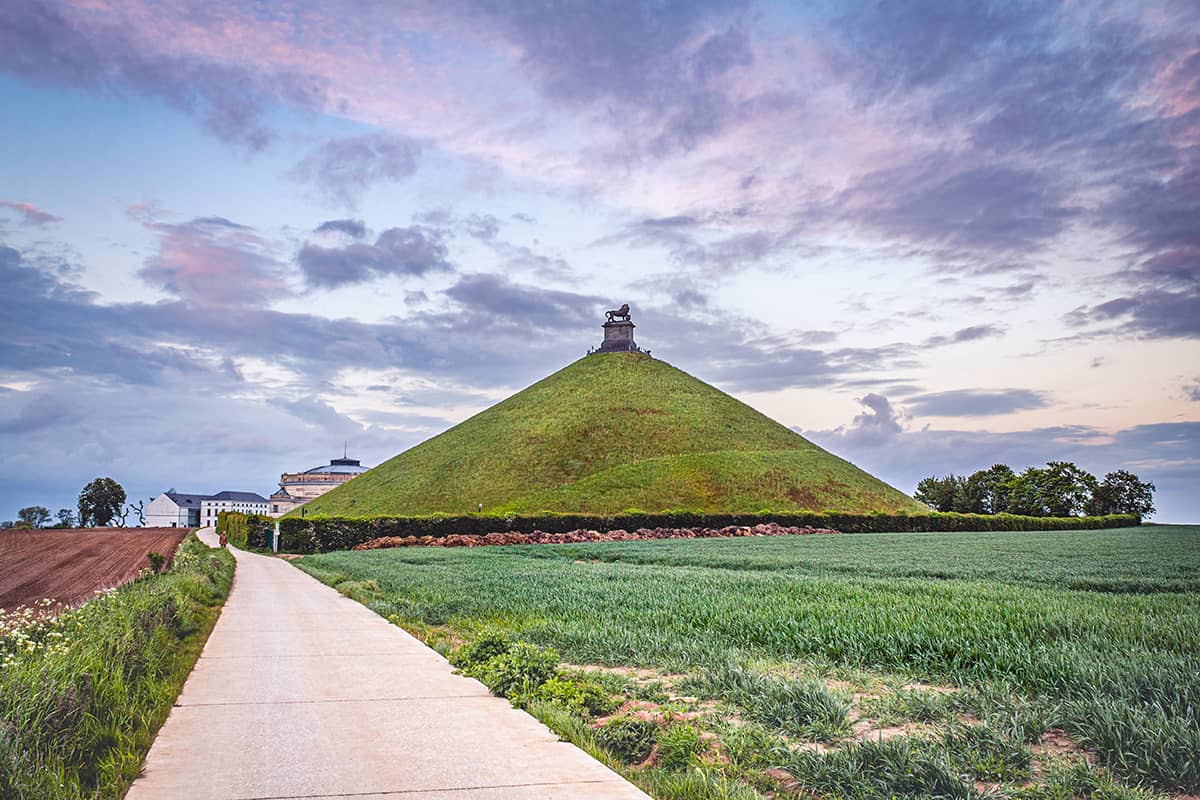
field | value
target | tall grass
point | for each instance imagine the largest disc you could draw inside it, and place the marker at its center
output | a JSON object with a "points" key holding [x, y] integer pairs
{"points": [[82, 695], [803, 707], [1116, 665]]}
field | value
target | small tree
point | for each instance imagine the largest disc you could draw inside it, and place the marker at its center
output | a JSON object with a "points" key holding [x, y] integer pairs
{"points": [[34, 516], [99, 502], [66, 518], [938, 493], [1122, 492]]}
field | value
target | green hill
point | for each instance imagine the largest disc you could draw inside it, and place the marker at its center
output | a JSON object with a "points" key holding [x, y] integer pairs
{"points": [[610, 432]]}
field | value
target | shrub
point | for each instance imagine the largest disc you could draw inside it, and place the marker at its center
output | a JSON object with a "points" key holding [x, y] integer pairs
{"points": [[157, 560], [678, 745], [517, 673], [628, 738], [482, 649], [581, 697]]}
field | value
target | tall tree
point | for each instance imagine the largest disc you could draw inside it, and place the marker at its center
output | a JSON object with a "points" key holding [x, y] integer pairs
{"points": [[34, 516], [1060, 490], [1068, 489], [1122, 492], [99, 502], [985, 491], [66, 518], [938, 493]]}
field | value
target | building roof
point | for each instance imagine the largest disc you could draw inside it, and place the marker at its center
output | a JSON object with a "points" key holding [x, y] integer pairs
{"points": [[238, 497], [185, 499], [343, 466]]}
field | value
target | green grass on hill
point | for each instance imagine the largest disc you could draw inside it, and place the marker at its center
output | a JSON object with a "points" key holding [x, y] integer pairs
{"points": [[608, 433], [871, 667]]}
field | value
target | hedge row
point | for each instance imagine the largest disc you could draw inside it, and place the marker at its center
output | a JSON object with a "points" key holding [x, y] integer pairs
{"points": [[251, 531], [323, 534]]}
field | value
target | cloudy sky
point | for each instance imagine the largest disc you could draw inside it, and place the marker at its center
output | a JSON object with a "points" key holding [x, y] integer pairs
{"points": [[930, 236]]}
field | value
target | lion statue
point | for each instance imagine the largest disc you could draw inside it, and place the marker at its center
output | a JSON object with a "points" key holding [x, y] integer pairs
{"points": [[621, 313]]}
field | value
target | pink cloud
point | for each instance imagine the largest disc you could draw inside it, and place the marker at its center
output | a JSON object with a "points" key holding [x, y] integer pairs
{"points": [[213, 261], [31, 213]]}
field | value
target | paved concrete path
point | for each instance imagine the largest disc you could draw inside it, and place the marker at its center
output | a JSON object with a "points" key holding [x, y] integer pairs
{"points": [[303, 693]]}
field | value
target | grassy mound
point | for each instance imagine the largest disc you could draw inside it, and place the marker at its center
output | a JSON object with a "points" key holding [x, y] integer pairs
{"points": [[612, 432]]}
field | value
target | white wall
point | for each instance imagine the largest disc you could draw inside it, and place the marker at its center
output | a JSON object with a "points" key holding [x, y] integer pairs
{"points": [[164, 513]]}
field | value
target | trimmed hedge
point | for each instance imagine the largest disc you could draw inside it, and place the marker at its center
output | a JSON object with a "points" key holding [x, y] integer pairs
{"points": [[324, 534], [247, 531]]}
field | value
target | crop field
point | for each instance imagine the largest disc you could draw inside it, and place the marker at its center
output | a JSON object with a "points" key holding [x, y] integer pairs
{"points": [[69, 565], [1028, 665]]}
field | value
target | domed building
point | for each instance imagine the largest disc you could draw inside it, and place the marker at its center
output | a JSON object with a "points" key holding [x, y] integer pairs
{"points": [[297, 488]]}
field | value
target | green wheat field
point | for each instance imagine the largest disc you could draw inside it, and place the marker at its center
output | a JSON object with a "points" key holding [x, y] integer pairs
{"points": [[1031, 665]]}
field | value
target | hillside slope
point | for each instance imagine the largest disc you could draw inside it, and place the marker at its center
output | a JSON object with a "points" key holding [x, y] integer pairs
{"points": [[611, 432]]}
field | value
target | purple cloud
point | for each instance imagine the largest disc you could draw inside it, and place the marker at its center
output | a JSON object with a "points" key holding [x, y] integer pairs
{"points": [[943, 201], [343, 169], [51, 43], [412, 251], [354, 228], [975, 402], [969, 334], [658, 69]]}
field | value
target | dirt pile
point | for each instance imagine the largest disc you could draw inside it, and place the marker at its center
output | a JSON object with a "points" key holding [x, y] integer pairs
{"points": [[581, 536]]}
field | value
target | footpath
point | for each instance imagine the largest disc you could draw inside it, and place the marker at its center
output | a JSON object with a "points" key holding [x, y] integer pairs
{"points": [[303, 693]]}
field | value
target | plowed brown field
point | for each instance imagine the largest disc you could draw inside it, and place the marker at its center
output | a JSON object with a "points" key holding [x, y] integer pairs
{"points": [[69, 565]]}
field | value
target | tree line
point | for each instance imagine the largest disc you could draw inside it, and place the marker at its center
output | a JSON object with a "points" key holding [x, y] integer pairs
{"points": [[1060, 489], [101, 503]]}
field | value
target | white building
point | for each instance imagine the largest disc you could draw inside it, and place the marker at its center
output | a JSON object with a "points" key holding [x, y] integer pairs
{"points": [[173, 509], [242, 502]]}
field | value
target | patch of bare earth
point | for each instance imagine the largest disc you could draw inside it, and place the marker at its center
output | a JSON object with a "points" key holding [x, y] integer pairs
{"points": [[1054, 745], [921, 686], [870, 730]]}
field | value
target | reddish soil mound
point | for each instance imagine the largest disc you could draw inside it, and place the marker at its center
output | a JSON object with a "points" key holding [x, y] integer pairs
{"points": [[572, 537], [69, 565]]}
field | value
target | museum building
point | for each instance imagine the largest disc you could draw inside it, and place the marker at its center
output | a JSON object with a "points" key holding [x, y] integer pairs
{"points": [[297, 488]]}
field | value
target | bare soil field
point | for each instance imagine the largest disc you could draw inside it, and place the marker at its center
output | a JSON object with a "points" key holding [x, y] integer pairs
{"points": [[69, 565]]}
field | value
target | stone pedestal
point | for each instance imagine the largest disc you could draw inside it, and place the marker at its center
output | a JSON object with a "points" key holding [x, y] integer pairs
{"points": [[618, 338]]}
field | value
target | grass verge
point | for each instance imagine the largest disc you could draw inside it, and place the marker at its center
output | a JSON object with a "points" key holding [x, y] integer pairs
{"points": [[82, 694]]}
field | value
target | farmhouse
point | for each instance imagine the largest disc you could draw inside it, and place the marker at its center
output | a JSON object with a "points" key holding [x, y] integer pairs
{"points": [[297, 488], [173, 509]]}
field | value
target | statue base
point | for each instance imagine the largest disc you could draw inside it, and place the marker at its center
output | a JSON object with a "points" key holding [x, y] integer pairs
{"points": [[618, 338]]}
